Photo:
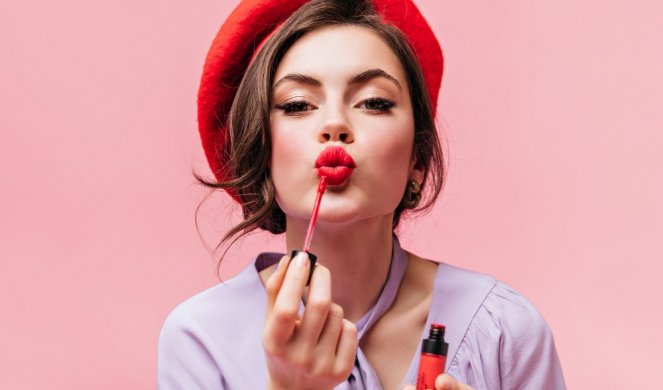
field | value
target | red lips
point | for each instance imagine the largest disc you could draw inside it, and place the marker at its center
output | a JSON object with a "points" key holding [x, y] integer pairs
{"points": [[335, 164]]}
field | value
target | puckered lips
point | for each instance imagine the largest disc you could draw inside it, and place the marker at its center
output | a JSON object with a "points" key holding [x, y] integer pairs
{"points": [[335, 164]]}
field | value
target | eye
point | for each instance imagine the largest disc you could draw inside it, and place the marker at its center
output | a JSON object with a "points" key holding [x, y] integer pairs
{"points": [[376, 104], [295, 107]]}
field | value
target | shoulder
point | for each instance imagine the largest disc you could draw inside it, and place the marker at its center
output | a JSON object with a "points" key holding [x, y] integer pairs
{"points": [[515, 324], [488, 302], [220, 306], [239, 297], [198, 336], [502, 340], [513, 313]]}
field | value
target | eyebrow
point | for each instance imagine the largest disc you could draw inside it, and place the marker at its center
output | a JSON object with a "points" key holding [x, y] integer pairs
{"points": [[373, 74], [298, 78], [361, 78]]}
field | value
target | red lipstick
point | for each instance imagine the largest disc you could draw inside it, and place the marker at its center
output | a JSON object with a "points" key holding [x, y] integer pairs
{"points": [[335, 164]]}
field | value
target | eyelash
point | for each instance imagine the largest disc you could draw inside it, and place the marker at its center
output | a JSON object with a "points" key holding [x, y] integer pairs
{"points": [[295, 107], [298, 107], [384, 105]]}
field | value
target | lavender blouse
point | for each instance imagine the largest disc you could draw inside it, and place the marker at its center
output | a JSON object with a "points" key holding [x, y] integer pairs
{"points": [[497, 339]]}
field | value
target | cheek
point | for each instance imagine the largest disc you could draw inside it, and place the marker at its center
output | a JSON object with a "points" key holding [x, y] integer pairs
{"points": [[393, 147], [283, 152], [286, 146], [391, 156], [287, 164]]}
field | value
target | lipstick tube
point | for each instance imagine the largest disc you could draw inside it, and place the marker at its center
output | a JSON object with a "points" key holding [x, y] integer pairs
{"points": [[433, 357]]}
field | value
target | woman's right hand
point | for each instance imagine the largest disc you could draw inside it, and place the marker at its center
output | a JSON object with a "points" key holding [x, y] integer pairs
{"points": [[316, 351]]}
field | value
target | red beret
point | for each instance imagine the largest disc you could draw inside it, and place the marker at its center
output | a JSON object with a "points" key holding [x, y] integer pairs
{"points": [[254, 20]]}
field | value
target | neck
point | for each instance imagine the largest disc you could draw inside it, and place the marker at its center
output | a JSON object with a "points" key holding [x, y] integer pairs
{"points": [[358, 256]]}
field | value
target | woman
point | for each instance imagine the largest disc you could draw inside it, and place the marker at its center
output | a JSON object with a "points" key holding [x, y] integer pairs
{"points": [[357, 81]]}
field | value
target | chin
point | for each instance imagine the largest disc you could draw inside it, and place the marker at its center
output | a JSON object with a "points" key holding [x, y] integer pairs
{"points": [[341, 206], [348, 213]]}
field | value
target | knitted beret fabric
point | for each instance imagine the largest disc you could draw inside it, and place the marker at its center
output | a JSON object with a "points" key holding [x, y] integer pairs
{"points": [[242, 34]]}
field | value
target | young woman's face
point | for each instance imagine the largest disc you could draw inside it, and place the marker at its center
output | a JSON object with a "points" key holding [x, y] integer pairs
{"points": [[341, 86]]}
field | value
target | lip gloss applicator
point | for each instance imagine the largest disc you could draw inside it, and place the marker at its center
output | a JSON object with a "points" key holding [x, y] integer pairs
{"points": [[322, 185]]}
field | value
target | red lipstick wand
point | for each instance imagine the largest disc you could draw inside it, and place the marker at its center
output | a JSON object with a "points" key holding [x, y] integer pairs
{"points": [[322, 185], [314, 214]]}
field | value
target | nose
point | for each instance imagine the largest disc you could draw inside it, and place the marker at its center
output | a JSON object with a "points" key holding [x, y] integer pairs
{"points": [[336, 129]]}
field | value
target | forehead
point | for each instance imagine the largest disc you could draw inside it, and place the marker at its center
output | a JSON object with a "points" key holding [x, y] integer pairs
{"points": [[340, 51]]}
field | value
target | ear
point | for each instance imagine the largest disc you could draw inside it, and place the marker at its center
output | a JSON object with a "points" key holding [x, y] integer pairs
{"points": [[416, 170]]}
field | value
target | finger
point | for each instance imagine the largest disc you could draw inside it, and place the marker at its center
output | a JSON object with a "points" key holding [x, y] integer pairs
{"points": [[285, 312], [275, 281], [409, 387], [346, 349], [318, 303], [447, 382], [331, 332]]}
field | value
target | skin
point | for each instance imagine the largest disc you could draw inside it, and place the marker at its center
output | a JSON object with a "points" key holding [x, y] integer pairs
{"points": [[358, 100]]}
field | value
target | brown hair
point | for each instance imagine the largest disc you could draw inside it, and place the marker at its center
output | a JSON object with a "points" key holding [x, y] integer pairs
{"points": [[249, 148]]}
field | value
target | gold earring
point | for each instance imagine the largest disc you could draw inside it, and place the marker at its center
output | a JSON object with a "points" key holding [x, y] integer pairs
{"points": [[412, 195]]}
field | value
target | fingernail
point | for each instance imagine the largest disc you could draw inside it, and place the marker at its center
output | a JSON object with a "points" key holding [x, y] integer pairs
{"points": [[305, 258], [278, 264], [301, 259]]}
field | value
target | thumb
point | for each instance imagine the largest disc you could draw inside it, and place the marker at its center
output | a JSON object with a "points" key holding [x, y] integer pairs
{"points": [[447, 382], [409, 387]]}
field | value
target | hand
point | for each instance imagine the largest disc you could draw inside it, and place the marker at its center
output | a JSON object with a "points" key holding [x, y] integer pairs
{"points": [[444, 382], [316, 351]]}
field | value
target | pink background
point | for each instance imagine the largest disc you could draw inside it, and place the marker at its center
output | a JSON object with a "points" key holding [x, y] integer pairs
{"points": [[552, 116]]}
